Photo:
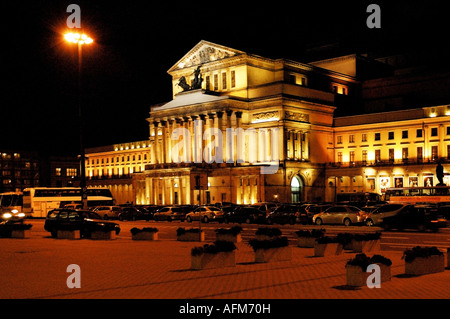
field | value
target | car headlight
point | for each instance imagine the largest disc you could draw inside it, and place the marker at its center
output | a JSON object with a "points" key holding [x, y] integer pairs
{"points": [[21, 215], [14, 211], [7, 215]]}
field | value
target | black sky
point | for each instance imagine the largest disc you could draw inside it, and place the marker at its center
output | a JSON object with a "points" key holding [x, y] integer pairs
{"points": [[136, 42]]}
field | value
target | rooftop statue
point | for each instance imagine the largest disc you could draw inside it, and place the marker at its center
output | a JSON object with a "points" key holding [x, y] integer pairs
{"points": [[196, 83]]}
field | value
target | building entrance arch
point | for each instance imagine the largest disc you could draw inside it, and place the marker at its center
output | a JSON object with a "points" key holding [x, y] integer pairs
{"points": [[297, 189]]}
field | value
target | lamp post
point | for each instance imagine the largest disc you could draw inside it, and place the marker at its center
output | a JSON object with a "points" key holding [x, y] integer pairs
{"points": [[80, 39]]}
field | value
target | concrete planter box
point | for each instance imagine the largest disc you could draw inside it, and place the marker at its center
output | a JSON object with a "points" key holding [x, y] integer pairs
{"points": [[218, 260], [103, 235], [357, 277], [306, 242], [68, 234], [192, 236], [328, 249], [145, 235], [229, 237], [273, 254], [20, 231], [425, 265]]}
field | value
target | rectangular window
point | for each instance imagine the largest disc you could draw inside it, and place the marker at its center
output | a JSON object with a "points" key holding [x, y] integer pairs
{"points": [[207, 83], [419, 133], [448, 151], [224, 81], [377, 136], [72, 172], [352, 156], [58, 171], [434, 131], [391, 155], [419, 154], [434, 153], [391, 135], [351, 138], [233, 79], [404, 134], [405, 154], [339, 157], [377, 156], [339, 139], [216, 82], [364, 137]]}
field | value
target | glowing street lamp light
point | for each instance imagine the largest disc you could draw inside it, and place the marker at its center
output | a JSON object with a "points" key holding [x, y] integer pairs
{"points": [[80, 39]]}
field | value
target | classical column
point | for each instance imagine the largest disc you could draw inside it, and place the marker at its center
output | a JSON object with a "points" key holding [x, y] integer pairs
{"points": [[200, 130], [155, 144], [229, 140], [240, 151], [221, 125], [306, 146], [164, 125]]}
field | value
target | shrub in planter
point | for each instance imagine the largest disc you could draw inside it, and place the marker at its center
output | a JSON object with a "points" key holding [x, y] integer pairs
{"points": [[14, 230], [360, 242], [307, 238], [232, 234], [103, 231], [219, 254], [146, 233], [356, 269], [265, 233], [423, 260], [327, 246], [191, 234], [274, 249]]}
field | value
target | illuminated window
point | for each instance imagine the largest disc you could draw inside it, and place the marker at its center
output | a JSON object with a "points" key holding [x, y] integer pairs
{"points": [[419, 153], [405, 154], [364, 156], [434, 153], [233, 79], [352, 156], [377, 156], [364, 137], [339, 157], [391, 155], [58, 171], [351, 138], [72, 172]]}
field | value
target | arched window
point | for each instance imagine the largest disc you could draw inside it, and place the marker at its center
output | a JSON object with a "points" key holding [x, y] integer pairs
{"points": [[296, 189]]}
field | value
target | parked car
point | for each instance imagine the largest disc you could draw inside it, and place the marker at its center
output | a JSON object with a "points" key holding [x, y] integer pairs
{"points": [[375, 217], [247, 215], [206, 214], [414, 217], [108, 212], [11, 216], [265, 207], [313, 209], [82, 220], [73, 206], [340, 214], [288, 214], [169, 213], [133, 213]]}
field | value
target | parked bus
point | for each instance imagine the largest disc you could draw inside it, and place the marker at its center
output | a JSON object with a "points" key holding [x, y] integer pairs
{"points": [[359, 199], [37, 202], [11, 201], [418, 195]]}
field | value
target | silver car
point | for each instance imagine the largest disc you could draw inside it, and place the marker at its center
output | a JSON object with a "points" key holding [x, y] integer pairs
{"points": [[376, 216], [342, 214]]}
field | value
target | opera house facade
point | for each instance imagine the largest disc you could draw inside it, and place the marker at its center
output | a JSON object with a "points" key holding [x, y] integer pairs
{"points": [[243, 128]]}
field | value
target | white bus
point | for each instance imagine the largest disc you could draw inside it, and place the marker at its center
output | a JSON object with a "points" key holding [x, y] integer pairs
{"points": [[11, 201], [37, 202]]}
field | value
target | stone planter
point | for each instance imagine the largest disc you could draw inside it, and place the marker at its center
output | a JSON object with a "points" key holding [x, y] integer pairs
{"points": [[357, 277], [263, 255], [360, 246], [145, 235], [229, 237], [20, 231], [425, 265], [328, 249], [68, 234], [217, 260], [103, 235], [191, 236], [306, 242]]}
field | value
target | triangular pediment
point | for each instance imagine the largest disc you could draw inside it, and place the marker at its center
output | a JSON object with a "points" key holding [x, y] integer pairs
{"points": [[204, 52]]}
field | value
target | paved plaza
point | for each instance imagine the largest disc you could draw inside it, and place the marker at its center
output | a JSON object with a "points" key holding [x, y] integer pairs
{"points": [[36, 267]]}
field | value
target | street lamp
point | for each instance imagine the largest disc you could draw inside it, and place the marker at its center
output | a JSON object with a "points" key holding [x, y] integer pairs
{"points": [[80, 39]]}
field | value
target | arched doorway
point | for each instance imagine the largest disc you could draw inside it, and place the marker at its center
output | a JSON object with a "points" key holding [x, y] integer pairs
{"points": [[296, 189]]}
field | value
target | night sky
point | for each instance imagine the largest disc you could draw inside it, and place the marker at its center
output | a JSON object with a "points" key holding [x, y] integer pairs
{"points": [[136, 42]]}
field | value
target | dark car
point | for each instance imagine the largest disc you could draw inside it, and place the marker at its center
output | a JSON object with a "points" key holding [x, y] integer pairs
{"points": [[414, 217], [288, 214], [247, 215], [84, 221], [134, 213]]}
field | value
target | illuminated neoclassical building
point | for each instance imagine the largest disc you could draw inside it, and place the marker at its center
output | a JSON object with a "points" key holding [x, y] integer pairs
{"points": [[244, 128]]}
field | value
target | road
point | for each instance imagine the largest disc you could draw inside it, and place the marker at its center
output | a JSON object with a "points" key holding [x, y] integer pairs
{"points": [[390, 240]]}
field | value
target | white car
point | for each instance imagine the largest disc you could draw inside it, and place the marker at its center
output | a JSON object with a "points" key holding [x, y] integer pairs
{"points": [[108, 212], [206, 214], [341, 214]]}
